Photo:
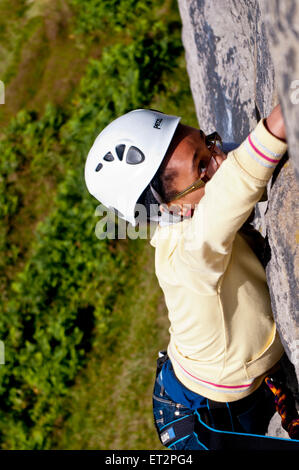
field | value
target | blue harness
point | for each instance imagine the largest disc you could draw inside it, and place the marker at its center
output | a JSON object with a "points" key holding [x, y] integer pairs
{"points": [[210, 435]]}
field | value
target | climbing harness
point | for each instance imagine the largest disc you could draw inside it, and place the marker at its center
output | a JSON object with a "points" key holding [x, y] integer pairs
{"points": [[197, 423]]}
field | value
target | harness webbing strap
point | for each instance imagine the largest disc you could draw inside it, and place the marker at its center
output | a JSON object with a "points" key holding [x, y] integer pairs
{"points": [[215, 439]]}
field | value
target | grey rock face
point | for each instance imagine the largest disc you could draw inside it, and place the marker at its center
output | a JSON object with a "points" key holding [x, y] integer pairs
{"points": [[242, 59], [282, 24], [282, 268], [225, 45]]}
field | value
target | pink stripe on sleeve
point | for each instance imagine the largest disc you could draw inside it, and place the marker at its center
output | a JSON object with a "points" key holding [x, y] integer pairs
{"points": [[260, 153]]}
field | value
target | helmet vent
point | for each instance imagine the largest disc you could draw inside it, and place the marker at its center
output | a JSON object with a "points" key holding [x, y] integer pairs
{"points": [[109, 157], [134, 156], [99, 167], [120, 151]]}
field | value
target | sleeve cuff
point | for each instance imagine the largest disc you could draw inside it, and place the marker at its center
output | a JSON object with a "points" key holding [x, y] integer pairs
{"points": [[260, 153]]}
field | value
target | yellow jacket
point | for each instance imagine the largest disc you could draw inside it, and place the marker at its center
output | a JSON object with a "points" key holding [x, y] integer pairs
{"points": [[223, 338]]}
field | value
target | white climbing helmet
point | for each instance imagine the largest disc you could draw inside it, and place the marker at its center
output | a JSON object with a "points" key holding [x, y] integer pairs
{"points": [[125, 157]]}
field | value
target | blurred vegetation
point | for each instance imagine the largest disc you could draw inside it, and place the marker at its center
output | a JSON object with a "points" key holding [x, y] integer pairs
{"points": [[69, 302]]}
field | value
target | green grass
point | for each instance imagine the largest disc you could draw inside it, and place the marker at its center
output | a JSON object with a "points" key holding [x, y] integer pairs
{"points": [[12, 22], [110, 406], [41, 60], [58, 275]]}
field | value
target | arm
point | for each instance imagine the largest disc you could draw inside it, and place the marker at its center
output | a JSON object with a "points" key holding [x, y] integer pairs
{"points": [[230, 197]]}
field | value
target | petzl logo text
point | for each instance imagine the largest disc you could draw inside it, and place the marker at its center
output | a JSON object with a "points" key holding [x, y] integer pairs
{"points": [[158, 123]]}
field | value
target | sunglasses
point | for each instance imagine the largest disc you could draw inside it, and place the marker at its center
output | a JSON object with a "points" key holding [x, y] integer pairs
{"points": [[211, 141]]}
